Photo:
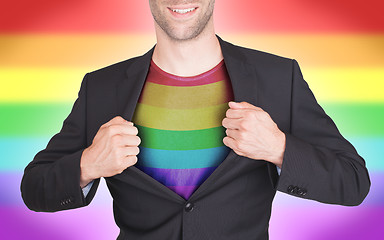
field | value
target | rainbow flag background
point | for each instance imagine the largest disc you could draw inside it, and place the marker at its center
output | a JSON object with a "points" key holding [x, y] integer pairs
{"points": [[46, 47]]}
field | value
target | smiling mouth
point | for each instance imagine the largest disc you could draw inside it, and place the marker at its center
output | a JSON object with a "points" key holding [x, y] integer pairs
{"points": [[183, 11]]}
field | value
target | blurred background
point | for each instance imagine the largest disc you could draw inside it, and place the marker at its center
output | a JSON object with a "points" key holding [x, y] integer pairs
{"points": [[46, 48]]}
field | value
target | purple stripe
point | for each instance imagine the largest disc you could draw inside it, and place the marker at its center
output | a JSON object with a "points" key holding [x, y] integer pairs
{"points": [[184, 191], [330, 222], [92, 222], [179, 177]]}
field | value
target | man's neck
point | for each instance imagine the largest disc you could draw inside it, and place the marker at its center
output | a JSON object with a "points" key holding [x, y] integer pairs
{"points": [[187, 58]]}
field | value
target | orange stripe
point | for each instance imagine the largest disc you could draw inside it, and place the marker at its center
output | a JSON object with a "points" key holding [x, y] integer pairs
{"points": [[96, 51]]}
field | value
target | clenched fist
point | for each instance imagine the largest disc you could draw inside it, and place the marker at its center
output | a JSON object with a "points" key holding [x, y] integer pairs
{"points": [[252, 133], [113, 149]]}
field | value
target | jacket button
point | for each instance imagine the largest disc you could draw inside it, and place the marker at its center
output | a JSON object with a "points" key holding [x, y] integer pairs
{"points": [[291, 189], [189, 207], [302, 191]]}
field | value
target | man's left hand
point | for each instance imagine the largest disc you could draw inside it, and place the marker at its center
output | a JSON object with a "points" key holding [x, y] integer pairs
{"points": [[252, 133]]}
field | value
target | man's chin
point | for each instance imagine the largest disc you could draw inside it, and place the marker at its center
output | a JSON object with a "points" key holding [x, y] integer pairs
{"points": [[184, 36]]}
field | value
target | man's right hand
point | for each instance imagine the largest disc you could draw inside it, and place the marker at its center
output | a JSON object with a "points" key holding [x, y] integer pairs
{"points": [[113, 149]]}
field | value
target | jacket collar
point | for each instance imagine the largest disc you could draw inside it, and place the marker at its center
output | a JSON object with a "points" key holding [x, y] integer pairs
{"points": [[243, 78]]}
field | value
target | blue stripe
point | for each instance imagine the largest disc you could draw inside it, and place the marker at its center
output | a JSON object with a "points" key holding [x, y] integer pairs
{"points": [[182, 159], [16, 152], [372, 150]]}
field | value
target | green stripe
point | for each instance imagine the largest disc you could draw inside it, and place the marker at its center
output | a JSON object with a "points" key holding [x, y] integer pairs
{"points": [[181, 140], [357, 119], [46, 119], [38, 119]]}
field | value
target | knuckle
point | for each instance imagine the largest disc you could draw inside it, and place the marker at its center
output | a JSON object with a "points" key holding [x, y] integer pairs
{"points": [[113, 129], [115, 139], [243, 124], [249, 114], [263, 115], [242, 135]]}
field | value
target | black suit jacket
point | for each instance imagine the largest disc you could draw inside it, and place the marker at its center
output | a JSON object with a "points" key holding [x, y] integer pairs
{"points": [[235, 201]]}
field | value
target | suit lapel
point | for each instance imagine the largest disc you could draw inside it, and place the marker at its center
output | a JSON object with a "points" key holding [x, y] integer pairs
{"points": [[129, 89], [243, 75], [243, 79]]}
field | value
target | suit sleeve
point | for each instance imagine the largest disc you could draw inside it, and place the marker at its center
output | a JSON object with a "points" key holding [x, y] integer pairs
{"points": [[51, 182], [319, 163]]}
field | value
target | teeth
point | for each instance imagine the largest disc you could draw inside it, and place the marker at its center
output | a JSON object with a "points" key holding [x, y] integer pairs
{"points": [[182, 11]]}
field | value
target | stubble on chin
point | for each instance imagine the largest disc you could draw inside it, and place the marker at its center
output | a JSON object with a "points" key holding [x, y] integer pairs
{"points": [[190, 32]]}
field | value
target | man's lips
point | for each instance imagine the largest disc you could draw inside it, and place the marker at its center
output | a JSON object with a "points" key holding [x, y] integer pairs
{"points": [[182, 12]]}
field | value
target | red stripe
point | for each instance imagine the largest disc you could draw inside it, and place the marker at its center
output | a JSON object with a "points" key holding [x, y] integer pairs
{"points": [[216, 74], [75, 16], [124, 16], [301, 16]]}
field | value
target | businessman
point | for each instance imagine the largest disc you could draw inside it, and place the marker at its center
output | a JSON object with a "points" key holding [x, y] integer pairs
{"points": [[194, 138]]}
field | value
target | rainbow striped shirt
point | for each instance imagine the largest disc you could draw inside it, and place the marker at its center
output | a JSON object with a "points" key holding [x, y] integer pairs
{"points": [[179, 123]]}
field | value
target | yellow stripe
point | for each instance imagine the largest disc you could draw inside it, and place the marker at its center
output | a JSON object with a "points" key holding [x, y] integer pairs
{"points": [[328, 84], [179, 119], [184, 97], [346, 84], [94, 51], [26, 85], [37, 85]]}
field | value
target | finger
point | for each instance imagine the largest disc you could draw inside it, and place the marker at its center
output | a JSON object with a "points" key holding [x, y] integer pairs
{"points": [[127, 161], [130, 151], [131, 160], [120, 129], [232, 123], [235, 113], [129, 140], [232, 133], [230, 142]]}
